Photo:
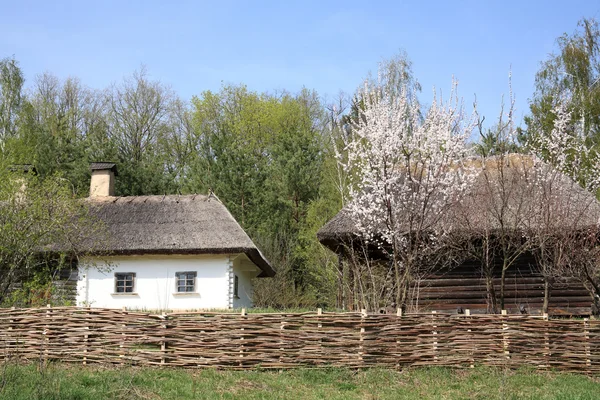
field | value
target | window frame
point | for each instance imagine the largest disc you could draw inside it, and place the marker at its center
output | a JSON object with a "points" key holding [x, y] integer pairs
{"points": [[236, 286], [186, 279], [124, 280]]}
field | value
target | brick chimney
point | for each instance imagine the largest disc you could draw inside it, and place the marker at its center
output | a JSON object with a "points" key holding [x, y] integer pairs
{"points": [[102, 183]]}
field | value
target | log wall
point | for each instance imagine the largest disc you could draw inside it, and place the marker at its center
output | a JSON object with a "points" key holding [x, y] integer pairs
{"points": [[464, 287], [286, 340]]}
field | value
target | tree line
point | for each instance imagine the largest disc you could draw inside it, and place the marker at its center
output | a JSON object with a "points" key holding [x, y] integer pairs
{"points": [[272, 158]]}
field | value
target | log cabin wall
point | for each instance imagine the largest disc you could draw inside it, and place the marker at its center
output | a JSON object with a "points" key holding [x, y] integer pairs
{"points": [[464, 287]]}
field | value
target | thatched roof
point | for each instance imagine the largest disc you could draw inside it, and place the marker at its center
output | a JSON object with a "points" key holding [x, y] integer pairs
{"points": [[191, 224], [571, 202]]}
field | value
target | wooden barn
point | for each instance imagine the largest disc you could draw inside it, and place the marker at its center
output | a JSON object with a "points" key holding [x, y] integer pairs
{"points": [[465, 284]]}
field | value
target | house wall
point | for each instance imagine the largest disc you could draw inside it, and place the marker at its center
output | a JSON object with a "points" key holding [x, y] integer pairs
{"points": [[155, 284], [245, 270]]}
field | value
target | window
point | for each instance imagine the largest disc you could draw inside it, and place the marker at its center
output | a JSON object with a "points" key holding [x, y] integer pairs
{"points": [[235, 286], [186, 282], [124, 282]]}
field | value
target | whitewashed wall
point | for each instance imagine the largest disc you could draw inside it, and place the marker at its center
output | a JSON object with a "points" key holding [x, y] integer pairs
{"points": [[245, 270], [155, 283]]}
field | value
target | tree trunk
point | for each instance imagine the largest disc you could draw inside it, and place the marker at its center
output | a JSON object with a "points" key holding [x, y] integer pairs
{"points": [[546, 295], [502, 284], [403, 289], [492, 303], [397, 275], [341, 297]]}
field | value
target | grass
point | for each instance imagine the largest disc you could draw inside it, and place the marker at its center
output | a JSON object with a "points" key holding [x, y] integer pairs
{"points": [[59, 381]]}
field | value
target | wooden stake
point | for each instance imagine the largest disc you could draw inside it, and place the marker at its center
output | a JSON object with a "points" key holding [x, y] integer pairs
{"points": [[122, 345], [282, 349], [435, 343], [470, 338], [398, 355], [546, 342], [163, 343], [243, 314], [363, 314], [319, 326], [86, 335], [586, 335], [46, 334], [7, 354], [505, 336]]}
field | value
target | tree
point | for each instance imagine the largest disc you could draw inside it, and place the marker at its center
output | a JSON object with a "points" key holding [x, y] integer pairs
{"points": [[502, 137], [496, 212], [43, 227], [570, 79], [139, 123], [409, 174], [55, 129], [567, 231], [11, 85], [262, 155]]}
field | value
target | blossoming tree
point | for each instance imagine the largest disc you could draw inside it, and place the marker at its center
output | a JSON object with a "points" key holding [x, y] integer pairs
{"points": [[407, 169]]}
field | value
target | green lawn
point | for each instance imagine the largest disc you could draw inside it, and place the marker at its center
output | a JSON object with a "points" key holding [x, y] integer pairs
{"points": [[63, 382]]}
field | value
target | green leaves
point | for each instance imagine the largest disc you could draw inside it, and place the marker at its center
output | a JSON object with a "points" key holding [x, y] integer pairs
{"points": [[42, 226]]}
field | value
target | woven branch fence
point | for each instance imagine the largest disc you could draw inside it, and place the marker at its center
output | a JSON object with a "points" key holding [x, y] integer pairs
{"points": [[288, 340]]}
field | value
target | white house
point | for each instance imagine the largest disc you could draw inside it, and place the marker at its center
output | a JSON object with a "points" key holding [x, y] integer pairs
{"points": [[167, 252]]}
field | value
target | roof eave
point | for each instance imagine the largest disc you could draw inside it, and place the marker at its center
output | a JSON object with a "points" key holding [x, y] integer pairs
{"points": [[253, 254]]}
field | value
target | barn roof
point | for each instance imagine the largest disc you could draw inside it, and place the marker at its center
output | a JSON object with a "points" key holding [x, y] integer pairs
{"points": [[173, 224], [575, 203]]}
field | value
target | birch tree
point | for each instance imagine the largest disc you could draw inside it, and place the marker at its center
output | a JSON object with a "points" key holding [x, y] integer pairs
{"points": [[11, 85]]}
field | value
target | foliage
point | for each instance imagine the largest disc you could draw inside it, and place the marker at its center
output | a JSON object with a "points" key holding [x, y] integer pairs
{"points": [[11, 86], [568, 82], [262, 156], [42, 227]]}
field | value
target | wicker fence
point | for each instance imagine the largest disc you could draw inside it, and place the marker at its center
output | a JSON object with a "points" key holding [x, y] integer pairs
{"points": [[287, 340]]}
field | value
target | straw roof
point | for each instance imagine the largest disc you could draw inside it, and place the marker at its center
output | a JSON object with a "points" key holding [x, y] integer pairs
{"points": [[572, 203], [172, 224]]}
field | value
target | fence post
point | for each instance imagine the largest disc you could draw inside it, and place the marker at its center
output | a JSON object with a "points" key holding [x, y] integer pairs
{"points": [[163, 342], [505, 335], [470, 339], [319, 327], [46, 334], [434, 331], [243, 314], [281, 341], [363, 314], [12, 341], [586, 335], [319, 312], [122, 344], [398, 345], [86, 335], [546, 341]]}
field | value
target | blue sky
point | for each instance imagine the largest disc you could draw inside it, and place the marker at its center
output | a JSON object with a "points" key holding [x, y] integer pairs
{"points": [[327, 46]]}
